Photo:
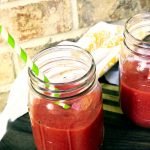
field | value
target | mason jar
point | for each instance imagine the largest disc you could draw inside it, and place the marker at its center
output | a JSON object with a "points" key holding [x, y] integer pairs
{"points": [[135, 70], [68, 116]]}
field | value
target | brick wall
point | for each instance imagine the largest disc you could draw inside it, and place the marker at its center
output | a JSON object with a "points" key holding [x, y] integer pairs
{"points": [[38, 24]]}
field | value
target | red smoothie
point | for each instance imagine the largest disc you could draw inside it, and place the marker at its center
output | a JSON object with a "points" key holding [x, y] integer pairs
{"points": [[77, 128], [135, 92]]}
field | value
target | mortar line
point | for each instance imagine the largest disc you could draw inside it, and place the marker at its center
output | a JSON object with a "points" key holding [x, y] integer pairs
{"points": [[75, 20]]}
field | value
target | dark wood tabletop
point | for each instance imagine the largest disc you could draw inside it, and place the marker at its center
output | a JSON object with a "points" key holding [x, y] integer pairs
{"points": [[120, 132]]}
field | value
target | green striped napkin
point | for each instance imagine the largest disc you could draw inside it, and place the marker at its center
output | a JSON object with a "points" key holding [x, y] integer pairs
{"points": [[111, 98]]}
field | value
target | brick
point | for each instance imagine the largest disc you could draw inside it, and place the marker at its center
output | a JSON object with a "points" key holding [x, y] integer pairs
{"points": [[126, 9], [90, 12], [6, 68], [3, 100], [34, 46], [37, 19], [144, 3]]}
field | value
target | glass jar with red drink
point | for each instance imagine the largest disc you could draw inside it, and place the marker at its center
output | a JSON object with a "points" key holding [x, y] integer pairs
{"points": [[68, 116], [135, 70]]}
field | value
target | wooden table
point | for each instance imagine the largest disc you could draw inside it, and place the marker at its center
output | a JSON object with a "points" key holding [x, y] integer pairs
{"points": [[120, 133]]}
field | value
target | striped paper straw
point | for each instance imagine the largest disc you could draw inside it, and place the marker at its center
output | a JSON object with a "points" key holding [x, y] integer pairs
{"points": [[23, 55]]}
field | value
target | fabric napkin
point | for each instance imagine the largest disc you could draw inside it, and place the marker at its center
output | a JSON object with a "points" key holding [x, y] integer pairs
{"points": [[103, 41], [17, 101]]}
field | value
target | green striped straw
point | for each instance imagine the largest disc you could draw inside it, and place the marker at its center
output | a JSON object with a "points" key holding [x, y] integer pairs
{"points": [[23, 55]]}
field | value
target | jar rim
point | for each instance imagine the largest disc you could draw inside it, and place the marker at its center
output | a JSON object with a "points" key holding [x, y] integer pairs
{"points": [[135, 34], [78, 86], [69, 82], [140, 15]]}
